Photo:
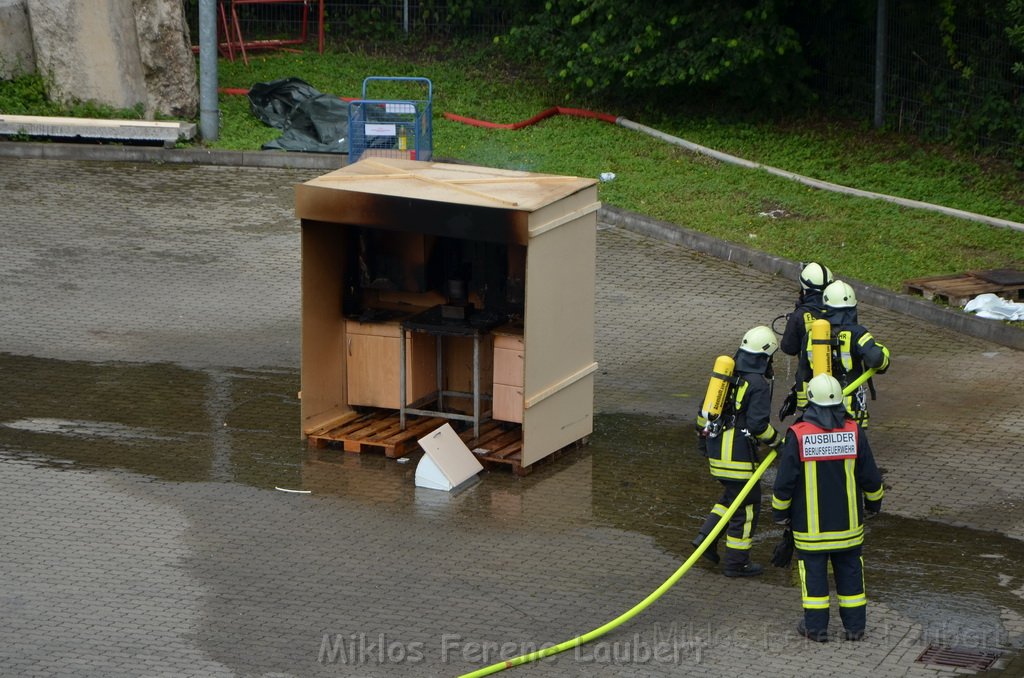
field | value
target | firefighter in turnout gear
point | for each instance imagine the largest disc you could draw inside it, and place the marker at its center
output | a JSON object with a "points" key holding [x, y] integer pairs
{"points": [[854, 350], [826, 484], [730, 443], [796, 339]]}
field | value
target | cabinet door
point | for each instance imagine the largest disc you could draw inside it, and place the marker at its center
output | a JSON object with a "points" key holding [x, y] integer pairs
{"points": [[508, 403], [373, 370], [508, 367], [373, 373]]}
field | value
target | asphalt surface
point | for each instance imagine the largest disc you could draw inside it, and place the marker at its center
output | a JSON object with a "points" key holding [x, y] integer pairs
{"points": [[149, 356]]}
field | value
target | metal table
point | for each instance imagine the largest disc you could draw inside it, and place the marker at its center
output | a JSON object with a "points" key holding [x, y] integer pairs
{"points": [[431, 321]]}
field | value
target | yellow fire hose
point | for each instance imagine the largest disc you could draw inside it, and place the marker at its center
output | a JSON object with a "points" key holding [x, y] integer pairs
{"points": [[668, 583], [643, 604]]}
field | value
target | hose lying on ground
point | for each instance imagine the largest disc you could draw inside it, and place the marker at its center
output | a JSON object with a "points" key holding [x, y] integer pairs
{"points": [[668, 583], [733, 160], [646, 602], [718, 155]]}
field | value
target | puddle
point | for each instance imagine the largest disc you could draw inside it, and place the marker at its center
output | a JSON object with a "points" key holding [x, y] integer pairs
{"points": [[638, 474], [84, 429]]}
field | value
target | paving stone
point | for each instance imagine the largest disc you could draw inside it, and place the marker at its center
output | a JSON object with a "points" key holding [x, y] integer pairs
{"points": [[150, 355]]}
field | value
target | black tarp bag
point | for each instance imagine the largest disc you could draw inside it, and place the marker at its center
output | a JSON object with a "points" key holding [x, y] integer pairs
{"points": [[310, 120]]}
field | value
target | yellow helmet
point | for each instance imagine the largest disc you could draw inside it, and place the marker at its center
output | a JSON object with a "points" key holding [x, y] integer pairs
{"points": [[760, 339], [815, 276], [825, 390], [839, 295]]}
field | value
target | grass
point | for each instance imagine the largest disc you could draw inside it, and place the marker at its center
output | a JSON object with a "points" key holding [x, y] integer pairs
{"points": [[870, 240]]}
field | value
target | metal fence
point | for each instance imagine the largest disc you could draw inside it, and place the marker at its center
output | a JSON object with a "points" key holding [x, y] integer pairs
{"points": [[346, 21], [959, 87]]}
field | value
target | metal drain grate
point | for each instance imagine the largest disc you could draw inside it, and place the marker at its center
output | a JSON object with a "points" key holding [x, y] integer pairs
{"points": [[960, 657]]}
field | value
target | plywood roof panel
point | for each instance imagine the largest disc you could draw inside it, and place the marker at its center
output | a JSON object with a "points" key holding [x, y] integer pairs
{"points": [[449, 183]]}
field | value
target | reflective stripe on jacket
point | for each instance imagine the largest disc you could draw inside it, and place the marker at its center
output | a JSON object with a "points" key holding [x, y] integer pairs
{"points": [[732, 454]]}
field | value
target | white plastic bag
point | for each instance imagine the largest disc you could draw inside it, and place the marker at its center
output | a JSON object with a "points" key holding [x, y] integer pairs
{"points": [[995, 307]]}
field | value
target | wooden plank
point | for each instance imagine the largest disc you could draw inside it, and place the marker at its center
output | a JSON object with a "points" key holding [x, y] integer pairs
{"points": [[416, 429], [382, 424], [488, 433], [334, 423], [352, 427], [507, 451], [486, 436]]}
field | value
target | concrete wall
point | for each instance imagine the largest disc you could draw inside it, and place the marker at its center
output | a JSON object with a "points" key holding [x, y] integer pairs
{"points": [[16, 53], [121, 53]]}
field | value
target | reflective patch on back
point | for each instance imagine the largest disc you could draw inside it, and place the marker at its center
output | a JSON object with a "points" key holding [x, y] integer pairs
{"points": [[828, 445]]}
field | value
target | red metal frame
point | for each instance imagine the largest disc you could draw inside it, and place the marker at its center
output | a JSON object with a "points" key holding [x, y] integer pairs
{"points": [[272, 44]]}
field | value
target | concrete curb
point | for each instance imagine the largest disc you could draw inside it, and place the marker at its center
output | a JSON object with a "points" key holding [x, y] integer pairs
{"points": [[989, 330], [155, 154], [958, 321]]}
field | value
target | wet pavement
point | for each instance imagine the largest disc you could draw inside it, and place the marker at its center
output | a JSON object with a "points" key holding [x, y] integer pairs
{"points": [[149, 358]]}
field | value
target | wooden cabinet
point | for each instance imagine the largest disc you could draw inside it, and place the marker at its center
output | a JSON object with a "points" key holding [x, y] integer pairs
{"points": [[508, 377], [373, 351]]}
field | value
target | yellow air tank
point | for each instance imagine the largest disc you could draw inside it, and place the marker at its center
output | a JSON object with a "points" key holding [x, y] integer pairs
{"points": [[718, 387], [821, 347]]}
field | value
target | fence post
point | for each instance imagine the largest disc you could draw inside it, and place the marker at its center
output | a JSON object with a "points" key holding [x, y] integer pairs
{"points": [[881, 38]]}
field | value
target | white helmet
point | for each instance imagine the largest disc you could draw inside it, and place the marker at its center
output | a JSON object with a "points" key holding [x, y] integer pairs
{"points": [[760, 339], [815, 276], [825, 390], [839, 295]]}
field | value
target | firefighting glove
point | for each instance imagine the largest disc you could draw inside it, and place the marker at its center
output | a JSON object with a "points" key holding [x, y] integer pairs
{"points": [[782, 556], [788, 406]]}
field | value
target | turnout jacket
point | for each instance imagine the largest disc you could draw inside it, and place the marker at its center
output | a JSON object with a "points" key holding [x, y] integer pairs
{"points": [[798, 324], [732, 454], [796, 340], [825, 480]]}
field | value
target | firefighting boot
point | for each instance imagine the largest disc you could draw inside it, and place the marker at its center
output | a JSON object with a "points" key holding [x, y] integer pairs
{"points": [[711, 553]]}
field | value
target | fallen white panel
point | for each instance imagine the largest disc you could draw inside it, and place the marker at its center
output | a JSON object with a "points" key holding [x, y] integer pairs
{"points": [[448, 463]]}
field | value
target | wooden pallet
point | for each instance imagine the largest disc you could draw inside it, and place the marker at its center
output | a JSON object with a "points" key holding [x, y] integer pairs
{"points": [[499, 446], [957, 290], [377, 431]]}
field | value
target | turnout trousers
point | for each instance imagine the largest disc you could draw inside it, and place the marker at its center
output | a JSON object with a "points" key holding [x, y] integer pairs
{"points": [[848, 570], [740, 531]]}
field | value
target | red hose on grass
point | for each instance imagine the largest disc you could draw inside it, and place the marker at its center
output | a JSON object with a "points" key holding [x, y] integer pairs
{"points": [[555, 110], [238, 91]]}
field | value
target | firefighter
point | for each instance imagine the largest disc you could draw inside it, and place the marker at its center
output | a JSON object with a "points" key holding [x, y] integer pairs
{"points": [[730, 443], [827, 483], [796, 339], [854, 350]]}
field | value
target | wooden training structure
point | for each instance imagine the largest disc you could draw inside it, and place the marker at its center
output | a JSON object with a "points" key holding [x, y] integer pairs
{"points": [[385, 244], [958, 289]]}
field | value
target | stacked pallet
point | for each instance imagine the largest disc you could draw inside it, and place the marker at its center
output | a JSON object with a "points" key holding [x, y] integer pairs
{"points": [[958, 289]]}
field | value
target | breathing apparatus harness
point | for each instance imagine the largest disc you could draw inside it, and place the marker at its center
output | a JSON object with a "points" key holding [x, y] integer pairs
{"points": [[723, 389], [839, 343]]}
